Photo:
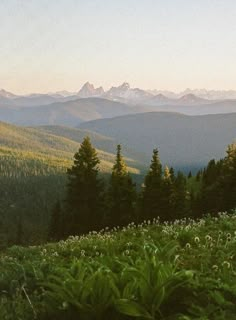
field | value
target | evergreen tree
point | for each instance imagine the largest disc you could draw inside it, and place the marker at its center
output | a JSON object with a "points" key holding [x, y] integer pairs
{"points": [[121, 194], [152, 191], [168, 194], [211, 192], [181, 198], [84, 192], [172, 174], [228, 181]]}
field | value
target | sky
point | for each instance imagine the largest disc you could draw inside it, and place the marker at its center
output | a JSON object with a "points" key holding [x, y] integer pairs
{"points": [[152, 44]]}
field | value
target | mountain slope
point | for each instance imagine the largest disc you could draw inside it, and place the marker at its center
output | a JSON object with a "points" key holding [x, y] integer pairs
{"points": [[183, 141], [69, 113], [60, 142], [192, 105]]}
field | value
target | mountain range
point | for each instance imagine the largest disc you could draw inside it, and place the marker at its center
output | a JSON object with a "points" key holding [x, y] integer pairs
{"points": [[123, 92], [183, 141], [91, 103]]}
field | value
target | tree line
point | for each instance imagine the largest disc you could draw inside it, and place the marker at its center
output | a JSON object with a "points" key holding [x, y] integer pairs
{"points": [[91, 204]]}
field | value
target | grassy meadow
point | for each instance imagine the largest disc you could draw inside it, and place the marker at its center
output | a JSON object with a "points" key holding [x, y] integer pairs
{"points": [[180, 270]]}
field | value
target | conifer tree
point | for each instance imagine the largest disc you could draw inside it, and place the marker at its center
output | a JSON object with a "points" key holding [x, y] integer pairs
{"points": [[168, 194], [228, 181], [121, 193], [172, 174], [84, 192], [152, 191], [180, 197]]}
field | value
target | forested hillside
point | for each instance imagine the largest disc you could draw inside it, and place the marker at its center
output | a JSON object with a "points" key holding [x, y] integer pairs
{"points": [[33, 163]]}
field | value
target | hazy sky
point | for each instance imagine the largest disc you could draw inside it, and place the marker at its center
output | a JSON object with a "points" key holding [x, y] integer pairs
{"points": [[49, 45]]}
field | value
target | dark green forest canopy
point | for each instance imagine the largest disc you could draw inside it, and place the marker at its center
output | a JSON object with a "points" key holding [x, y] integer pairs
{"points": [[33, 165]]}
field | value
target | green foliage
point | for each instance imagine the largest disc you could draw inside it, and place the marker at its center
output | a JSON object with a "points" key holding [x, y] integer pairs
{"points": [[218, 187], [33, 163], [152, 191], [84, 192], [164, 195], [181, 270], [121, 194]]}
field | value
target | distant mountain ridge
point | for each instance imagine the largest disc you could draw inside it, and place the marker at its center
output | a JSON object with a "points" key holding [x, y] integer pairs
{"points": [[61, 143], [124, 91], [183, 141], [90, 103]]}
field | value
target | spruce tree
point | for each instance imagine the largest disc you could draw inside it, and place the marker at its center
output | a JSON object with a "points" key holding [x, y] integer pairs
{"points": [[152, 191], [180, 202], [84, 192], [228, 181], [168, 194], [121, 194]]}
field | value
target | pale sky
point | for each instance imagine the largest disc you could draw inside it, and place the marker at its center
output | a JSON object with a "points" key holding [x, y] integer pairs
{"points": [[50, 45]]}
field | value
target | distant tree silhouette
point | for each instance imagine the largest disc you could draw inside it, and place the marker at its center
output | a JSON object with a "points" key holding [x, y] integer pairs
{"points": [[84, 192], [121, 193], [152, 190]]}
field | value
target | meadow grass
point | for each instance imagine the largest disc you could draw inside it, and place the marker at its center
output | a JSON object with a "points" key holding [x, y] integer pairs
{"points": [[180, 270]]}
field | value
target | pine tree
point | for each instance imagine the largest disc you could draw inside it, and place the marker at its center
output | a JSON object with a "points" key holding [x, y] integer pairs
{"points": [[168, 194], [190, 174], [121, 194], [84, 192], [172, 174], [228, 181], [180, 197], [152, 191]]}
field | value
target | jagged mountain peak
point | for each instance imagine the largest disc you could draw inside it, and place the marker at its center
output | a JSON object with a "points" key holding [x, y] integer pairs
{"points": [[191, 98], [88, 90], [6, 94]]}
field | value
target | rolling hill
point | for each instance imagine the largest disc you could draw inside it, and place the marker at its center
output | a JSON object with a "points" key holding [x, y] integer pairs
{"points": [[61, 142], [33, 163], [69, 113], [183, 141]]}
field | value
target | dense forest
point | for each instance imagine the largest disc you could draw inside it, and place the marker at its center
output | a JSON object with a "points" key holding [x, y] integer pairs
{"points": [[38, 188], [90, 204]]}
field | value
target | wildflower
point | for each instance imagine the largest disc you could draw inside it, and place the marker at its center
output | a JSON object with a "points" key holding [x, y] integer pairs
{"points": [[188, 246], [208, 238], [215, 268], [226, 264], [196, 240], [82, 253], [55, 254]]}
